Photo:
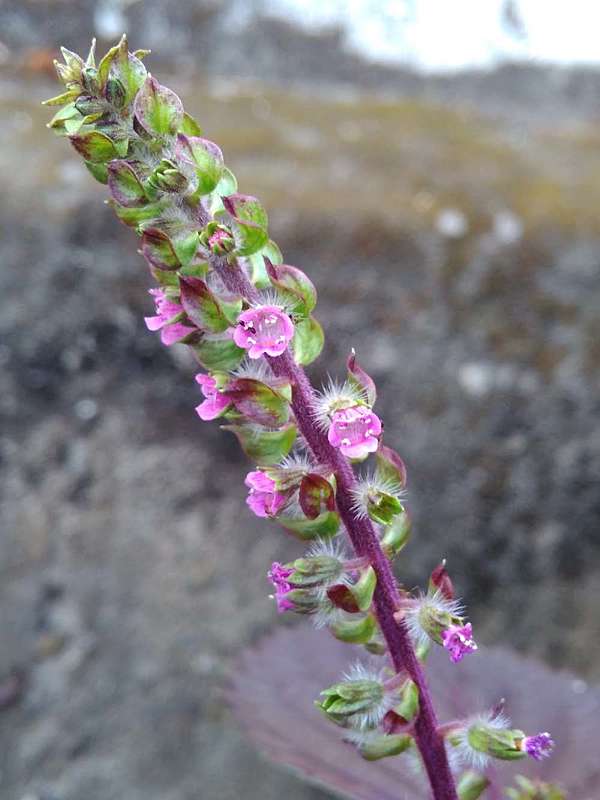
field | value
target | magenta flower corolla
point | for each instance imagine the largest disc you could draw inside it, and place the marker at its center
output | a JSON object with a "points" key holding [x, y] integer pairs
{"points": [[263, 498], [215, 402], [278, 576], [539, 746], [263, 330], [458, 641], [166, 310], [355, 431]]}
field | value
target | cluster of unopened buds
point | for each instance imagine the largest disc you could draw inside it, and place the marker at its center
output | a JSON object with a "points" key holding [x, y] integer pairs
{"points": [[224, 291]]}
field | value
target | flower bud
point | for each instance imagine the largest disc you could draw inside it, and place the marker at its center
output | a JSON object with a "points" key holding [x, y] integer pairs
{"points": [[344, 702], [384, 746], [89, 80], [436, 618], [379, 498], [534, 790], [217, 239], [496, 742], [69, 72], [471, 785], [316, 571], [167, 177], [88, 105], [115, 92]]}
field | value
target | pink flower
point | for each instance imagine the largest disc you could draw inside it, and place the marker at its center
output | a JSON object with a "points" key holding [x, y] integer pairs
{"points": [[538, 747], [166, 310], [263, 498], [215, 403], [355, 431], [266, 329], [458, 641], [278, 576]]}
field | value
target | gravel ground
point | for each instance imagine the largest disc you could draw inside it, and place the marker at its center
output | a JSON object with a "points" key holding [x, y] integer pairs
{"points": [[458, 256]]}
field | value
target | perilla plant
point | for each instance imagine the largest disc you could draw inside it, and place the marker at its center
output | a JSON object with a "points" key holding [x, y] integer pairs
{"points": [[224, 291]]}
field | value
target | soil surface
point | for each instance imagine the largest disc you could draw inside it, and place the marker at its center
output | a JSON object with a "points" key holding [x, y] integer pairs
{"points": [[451, 227]]}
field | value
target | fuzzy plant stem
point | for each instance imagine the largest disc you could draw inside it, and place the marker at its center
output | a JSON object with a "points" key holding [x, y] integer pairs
{"points": [[366, 543]]}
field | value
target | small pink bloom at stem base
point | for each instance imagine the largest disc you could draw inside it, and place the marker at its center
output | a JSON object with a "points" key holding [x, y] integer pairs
{"points": [[263, 330], [537, 747], [458, 641], [355, 431], [215, 402], [263, 498], [278, 576], [166, 310]]}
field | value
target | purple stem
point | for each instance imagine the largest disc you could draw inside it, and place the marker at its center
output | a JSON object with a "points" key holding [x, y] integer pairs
{"points": [[366, 543]]}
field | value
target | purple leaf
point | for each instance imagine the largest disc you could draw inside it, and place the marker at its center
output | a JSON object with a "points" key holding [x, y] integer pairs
{"points": [[276, 683]]}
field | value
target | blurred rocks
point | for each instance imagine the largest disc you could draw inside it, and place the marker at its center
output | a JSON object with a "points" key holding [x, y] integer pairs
{"points": [[459, 257]]}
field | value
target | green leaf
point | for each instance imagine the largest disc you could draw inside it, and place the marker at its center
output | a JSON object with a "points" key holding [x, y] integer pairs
{"points": [[125, 186], [324, 526], [308, 340], [390, 466], [246, 208], [135, 217], [363, 589], [99, 171], [258, 402], [396, 535], [384, 507], [201, 306], [59, 119], [385, 745], [258, 272], [226, 186], [207, 159], [94, 146], [158, 249], [272, 252], [189, 126], [315, 495], [232, 308], [185, 243], [292, 281], [106, 61], [266, 448], [472, 785], [408, 706], [121, 65], [219, 354], [359, 631], [158, 109], [359, 378], [61, 99], [249, 223]]}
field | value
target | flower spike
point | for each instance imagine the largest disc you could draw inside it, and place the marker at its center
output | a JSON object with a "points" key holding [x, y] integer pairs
{"points": [[224, 291]]}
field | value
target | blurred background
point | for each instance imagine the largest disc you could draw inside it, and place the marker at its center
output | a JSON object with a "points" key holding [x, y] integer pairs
{"points": [[435, 168]]}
